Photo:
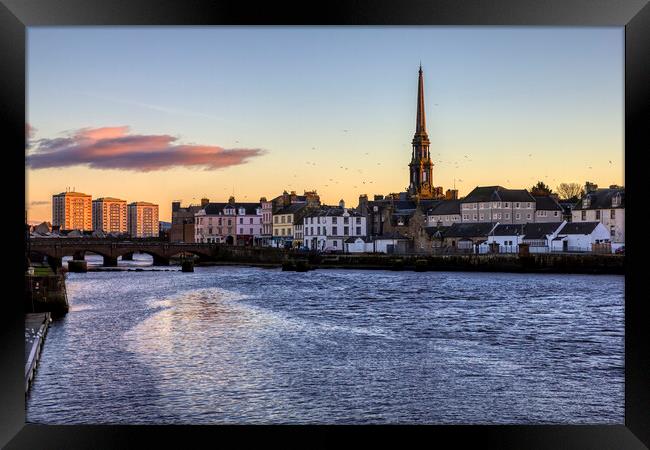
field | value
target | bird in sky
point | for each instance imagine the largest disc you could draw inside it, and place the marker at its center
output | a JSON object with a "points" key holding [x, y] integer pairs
{"points": [[345, 131], [530, 154], [610, 162]]}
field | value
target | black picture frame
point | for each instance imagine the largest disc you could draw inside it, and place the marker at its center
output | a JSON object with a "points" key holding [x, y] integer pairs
{"points": [[634, 15]]}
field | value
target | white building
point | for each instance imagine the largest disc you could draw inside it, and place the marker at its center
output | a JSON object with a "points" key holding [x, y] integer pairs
{"points": [[326, 228], [581, 237], [606, 206]]}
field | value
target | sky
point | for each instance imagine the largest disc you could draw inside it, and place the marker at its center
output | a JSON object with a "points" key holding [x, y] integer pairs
{"points": [[178, 113]]}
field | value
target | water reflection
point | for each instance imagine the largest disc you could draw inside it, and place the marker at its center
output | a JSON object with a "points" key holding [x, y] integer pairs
{"points": [[247, 345]]}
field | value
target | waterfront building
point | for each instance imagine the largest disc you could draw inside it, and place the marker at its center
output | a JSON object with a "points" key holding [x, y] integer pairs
{"points": [[285, 221], [267, 221], [583, 237], [232, 223], [606, 206], [143, 220], [547, 209], [328, 227], [444, 214], [72, 211], [539, 236], [497, 204], [467, 236], [109, 215], [182, 228]]}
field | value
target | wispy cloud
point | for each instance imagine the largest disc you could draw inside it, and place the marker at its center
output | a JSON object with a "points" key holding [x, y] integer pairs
{"points": [[39, 202], [160, 108], [115, 148]]}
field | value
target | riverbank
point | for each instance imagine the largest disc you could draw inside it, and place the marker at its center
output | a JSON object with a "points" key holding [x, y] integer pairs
{"points": [[36, 326], [512, 263]]}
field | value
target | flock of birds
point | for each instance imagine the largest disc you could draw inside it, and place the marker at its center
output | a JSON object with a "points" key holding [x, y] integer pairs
{"points": [[360, 182]]}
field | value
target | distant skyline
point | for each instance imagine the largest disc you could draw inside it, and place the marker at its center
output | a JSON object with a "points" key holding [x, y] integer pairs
{"points": [[178, 113]]}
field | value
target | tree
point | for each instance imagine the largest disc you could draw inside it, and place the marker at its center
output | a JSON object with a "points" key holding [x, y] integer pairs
{"points": [[570, 191], [541, 189]]}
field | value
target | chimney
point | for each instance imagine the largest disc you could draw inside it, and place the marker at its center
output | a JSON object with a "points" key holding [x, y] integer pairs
{"points": [[378, 197], [451, 194], [231, 200], [363, 204], [176, 206], [590, 187], [204, 202], [341, 204]]}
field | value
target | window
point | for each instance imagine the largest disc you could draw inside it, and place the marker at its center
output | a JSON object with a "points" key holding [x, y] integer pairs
{"points": [[241, 220], [318, 230], [229, 221], [612, 231], [251, 220], [584, 215], [555, 213], [612, 214], [474, 216], [210, 230], [275, 219], [311, 230], [346, 220], [334, 230], [283, 220], [516, 205], [251, 231], [518, 216], [527, 216], [219, 221], [334, 243], [616, 200], [334, 219], [358, 231], [275, 231], [505, 205], [499, 216], [358, 220], [481, 216], [346, 231], [598, 215], [480, 206], [507, 215]]}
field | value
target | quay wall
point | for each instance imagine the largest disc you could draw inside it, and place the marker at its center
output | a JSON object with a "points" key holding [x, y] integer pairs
{"points": [[46, 293], [532, 263]]}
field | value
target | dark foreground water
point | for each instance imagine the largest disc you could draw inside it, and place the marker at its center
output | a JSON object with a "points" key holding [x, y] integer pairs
{"points": [[248, 345]]}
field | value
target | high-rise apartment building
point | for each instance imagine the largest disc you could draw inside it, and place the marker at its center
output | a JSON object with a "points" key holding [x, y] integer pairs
{"points": [[143, 219], [109, 215], [72, 211]]}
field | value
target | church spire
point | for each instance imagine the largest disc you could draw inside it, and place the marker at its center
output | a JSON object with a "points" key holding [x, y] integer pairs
{"points": [[421, 166], [420, 125]]}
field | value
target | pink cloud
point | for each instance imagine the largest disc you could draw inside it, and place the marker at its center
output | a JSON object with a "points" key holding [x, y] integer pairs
{"points": [[115, 148]]}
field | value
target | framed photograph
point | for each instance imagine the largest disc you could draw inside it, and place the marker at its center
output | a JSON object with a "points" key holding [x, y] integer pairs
{"points": [[407, 218]]}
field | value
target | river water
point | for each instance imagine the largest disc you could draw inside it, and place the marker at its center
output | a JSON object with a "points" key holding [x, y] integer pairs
{"points": [[251, 345]]}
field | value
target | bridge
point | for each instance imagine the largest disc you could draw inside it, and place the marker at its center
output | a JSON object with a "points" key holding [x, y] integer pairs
{"points": [[161, 251]]}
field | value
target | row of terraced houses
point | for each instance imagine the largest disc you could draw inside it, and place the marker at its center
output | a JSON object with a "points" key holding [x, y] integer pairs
{"points": [[488, 215]]}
